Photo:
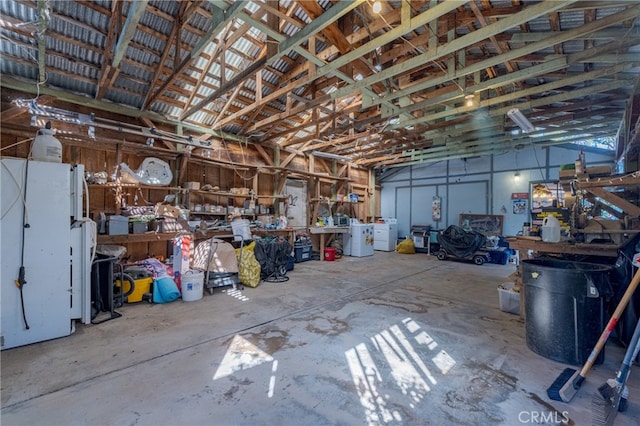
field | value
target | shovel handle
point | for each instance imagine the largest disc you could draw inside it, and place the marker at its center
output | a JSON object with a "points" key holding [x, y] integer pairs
{"points": [[612, 323]]}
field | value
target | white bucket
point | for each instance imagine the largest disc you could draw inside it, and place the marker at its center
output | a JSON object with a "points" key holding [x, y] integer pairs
{"points": [[192, 285], [550, 230], [241, 230]]}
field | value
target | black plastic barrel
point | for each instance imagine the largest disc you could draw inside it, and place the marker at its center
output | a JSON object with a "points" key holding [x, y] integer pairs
{"points": [[564, 308]]}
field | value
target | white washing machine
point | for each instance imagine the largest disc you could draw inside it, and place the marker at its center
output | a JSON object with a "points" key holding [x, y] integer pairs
{"points": [[385, 234]]}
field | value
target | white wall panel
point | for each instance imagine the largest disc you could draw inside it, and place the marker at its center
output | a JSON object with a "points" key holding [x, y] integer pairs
{"points": [[480, 185], [421, 204], [469, 197], [403, 209]]}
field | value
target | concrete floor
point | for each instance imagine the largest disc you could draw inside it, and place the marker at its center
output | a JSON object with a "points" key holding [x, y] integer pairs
{"points": [[386, 339]]}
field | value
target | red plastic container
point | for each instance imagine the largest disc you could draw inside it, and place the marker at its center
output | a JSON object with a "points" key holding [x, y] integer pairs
{"points": [[330, 253]]}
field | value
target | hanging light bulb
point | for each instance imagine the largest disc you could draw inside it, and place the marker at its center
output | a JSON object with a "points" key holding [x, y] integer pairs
{"points": [[470, 100], [377, 7]]}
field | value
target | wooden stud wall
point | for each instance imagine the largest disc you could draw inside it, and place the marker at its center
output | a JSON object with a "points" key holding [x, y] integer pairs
{"points": [[105, 157]]}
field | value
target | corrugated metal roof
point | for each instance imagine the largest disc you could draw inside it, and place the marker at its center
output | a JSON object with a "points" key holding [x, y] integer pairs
{"points": [[26, 16], [76, 14], [200, 22], [190, 39], [28, 53], [17, 68], [79, 68], [74, 85]]}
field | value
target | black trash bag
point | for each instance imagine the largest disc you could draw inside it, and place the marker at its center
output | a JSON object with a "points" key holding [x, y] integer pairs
{"points": [[273, 255], [460, 243]]}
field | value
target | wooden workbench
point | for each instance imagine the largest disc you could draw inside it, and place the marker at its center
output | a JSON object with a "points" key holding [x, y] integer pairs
{"points": [[524, 244], [327, 230], [288, 233], [161, 236]]}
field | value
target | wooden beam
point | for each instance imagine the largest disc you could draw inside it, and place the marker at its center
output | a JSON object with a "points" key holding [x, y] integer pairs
{"points": [[332, 67], [11, 113], [514, 53], [224, 88], [174, 36], [107, 49], [626, 206], [524, 16], [507, 79], [220, 19], [13, 83], [331, 32], [327, 18], [610, 181], [264, 154], [136, 10]]}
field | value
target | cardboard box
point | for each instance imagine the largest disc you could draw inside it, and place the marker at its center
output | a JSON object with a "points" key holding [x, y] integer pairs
{"points": [[192, 185], [167, 210]]}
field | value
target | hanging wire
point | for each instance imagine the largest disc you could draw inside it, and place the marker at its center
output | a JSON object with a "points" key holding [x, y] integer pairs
{"points": [[224, 142]]}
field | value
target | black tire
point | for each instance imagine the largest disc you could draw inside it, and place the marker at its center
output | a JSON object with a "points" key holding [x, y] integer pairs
{"points": [[478, 260], [441, 255]]}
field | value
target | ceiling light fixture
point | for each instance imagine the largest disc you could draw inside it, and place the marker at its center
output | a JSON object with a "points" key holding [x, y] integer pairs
{"points": [[470, 100], [516, 176], [521, 121], [377, 7], [331, 156]]}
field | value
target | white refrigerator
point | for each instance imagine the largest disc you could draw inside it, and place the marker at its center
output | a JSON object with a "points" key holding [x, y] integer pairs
{"points": [[359, 241], [46, 246]]}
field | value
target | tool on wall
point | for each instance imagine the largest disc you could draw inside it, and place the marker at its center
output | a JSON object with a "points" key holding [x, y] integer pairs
{"points": [[21, 281]]}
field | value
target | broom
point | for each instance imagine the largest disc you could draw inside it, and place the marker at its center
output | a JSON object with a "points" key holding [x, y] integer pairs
{"points": [[607, 400], [566, 385]]}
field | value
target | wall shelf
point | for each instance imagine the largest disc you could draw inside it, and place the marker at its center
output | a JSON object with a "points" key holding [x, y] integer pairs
{"points": [[112, 185], [192, 213], [136, 238], [148, 237]]}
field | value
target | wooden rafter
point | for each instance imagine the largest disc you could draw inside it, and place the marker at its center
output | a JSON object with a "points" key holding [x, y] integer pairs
{"points": [[220, 19], [174, 37], [302, 76], [111, 71]]}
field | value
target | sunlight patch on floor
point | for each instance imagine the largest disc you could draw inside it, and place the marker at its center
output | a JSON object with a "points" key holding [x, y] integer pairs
{"points": [[405, 352], [241, 355]]}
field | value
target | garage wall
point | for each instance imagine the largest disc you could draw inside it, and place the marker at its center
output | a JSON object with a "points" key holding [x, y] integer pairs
{"points": [[480, 185]]}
